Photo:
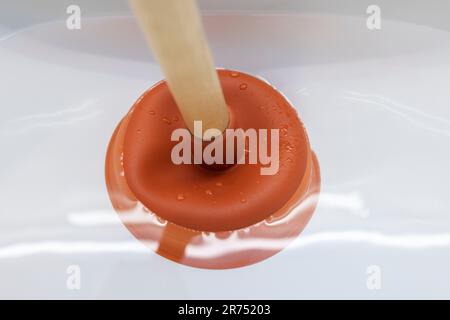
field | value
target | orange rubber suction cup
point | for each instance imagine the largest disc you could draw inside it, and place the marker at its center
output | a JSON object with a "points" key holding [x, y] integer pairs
{"points": [[212, 218]]}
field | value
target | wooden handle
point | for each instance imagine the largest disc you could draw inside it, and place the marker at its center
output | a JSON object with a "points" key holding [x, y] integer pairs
{"points": [[174, 31]]}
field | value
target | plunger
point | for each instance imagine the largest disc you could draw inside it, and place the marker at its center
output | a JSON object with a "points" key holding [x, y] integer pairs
{"points": [[189, 213]]}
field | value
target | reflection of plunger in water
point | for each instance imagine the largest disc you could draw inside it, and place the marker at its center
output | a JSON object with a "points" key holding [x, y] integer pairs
{"points": [[220, 216]]}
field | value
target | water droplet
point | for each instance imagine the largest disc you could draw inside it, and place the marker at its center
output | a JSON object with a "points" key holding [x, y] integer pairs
{"points": [[151, 112], [208, 192], [122, 173], [243, 86], [180, 197], [219, 184], [139, 130], [243, 200], [161, 221], [175, 119], [288, 147], [166, 120], [234, 74], [288, 160]]}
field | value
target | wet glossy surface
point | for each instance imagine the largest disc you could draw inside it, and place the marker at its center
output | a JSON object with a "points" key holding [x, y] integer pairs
{"points": [[209, 200], [376, 108]]}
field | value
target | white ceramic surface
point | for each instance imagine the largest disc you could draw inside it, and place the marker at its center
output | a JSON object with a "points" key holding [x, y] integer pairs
{"points": [[375, 104]]}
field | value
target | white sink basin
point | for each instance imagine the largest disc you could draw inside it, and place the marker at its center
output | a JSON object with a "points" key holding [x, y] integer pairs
{"points": [[376, 107]]}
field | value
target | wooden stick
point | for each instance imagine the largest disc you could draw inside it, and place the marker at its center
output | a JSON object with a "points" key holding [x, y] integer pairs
{"points": [[174, 31]]}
